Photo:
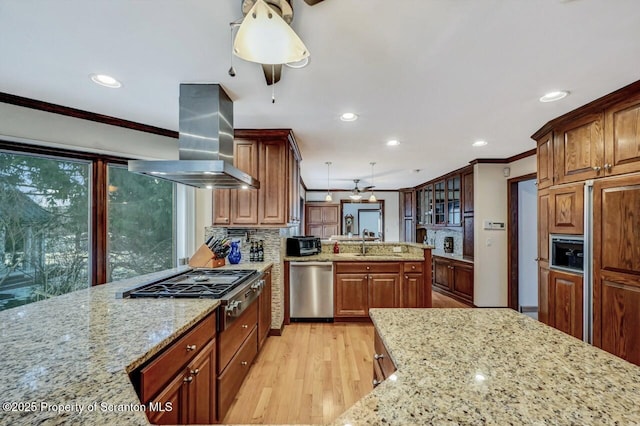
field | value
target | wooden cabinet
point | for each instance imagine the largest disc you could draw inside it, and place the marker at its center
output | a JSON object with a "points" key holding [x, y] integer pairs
{"points": [[179, 383], [351, 295], [264, 309], [322, 219], [565, 302], [616, 266], [566, 207], [237, 348], [454, 200], [622, 137], [412, 285], [467, 236], [359, 286], [384, 291], [407, 203], [544, 157], [579, 149], [271, 156], [439, 203], [467, 190], [543, 293], [383, 366], [454, 278], [239, 206]]}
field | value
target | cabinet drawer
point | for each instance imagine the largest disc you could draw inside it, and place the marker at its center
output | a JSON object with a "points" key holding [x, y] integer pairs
{"points": [[230, 339], [366, 267], [230, 381], [155, 375], [412, 266], [383, 358]]}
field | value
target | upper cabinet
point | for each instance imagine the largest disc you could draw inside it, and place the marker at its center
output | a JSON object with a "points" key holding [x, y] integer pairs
{"points": [[272, 156], [598, 140], [579, 149], [445, 201], [544, 156], [622, 137]]}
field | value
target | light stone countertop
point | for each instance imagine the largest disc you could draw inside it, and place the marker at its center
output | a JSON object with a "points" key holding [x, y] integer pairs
{"points": [[493, 367], [376, 252], [77, 349], [458, 257]]}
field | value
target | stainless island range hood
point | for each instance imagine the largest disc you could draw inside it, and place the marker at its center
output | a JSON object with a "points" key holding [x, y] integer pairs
{"points": [[205, 143]]}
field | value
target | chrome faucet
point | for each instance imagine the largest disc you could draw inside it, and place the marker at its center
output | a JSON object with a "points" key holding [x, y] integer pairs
{"points": [[364, 233]]}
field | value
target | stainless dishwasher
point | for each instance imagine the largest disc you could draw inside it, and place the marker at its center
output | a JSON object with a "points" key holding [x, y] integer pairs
{"points": [[311, 291]]}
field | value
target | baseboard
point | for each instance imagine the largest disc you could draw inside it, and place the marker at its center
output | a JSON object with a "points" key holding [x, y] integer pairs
{"points": [[352, 319], [525, 309], [276, 331]]}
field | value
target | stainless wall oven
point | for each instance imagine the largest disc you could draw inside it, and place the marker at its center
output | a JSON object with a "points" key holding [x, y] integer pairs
{"points": [[566, 252]]}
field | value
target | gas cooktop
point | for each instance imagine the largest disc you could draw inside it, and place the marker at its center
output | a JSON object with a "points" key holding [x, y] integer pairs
{"points": [[197, 283]]}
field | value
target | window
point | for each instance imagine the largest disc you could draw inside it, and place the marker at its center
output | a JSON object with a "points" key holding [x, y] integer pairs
{"points": [[44, 227], [140, 220], [69, 220]]}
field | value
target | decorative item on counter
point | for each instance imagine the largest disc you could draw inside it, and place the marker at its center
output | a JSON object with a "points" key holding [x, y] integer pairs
{"points": [[252, 252], [235, 255], [336, 247], [211, 254], [261, 251], [448, 244]]}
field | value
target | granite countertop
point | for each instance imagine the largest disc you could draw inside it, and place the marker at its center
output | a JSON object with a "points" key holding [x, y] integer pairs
{"points": [[453, 256], [376, 252], [493, 366], [77, 350]]}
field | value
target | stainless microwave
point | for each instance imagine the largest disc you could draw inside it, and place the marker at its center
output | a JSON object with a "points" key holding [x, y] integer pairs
{"points": [[566, 252]]}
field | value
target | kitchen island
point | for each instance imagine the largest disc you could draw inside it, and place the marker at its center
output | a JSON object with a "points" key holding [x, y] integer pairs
{"points": [[66, 360], [493, 366]]}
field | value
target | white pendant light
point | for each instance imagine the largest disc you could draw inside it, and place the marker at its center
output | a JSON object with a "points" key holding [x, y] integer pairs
{"points": [[264, 37], [328, 198], [372, 198]]}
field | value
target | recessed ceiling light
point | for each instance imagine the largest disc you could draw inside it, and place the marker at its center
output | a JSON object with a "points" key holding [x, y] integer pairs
{"points": [[479, 143], [554, 96], [105, 80], [299, 64], [349, 116], [393, 142]]}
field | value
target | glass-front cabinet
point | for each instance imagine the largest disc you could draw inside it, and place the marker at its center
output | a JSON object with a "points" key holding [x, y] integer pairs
{"points": [[440, 202], [453, 200]]}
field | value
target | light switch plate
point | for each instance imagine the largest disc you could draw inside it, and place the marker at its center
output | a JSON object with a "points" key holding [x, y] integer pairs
{"points": [[493, 225], [397, 249]]}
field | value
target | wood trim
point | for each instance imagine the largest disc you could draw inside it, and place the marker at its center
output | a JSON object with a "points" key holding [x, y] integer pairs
{"points": [[287, 312], [511, 159], [595, 106], [84, 115], [99, 223], [58, 153], [277, 331], [512, 239]]}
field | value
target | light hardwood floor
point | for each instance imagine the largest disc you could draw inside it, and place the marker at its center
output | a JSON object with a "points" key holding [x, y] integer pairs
{"points": [[311, 374]]}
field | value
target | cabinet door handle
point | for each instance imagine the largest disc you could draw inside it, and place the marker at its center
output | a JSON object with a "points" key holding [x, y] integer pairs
{"points": [[376, 383], [607, 167], [368, 268], [596, 168], [536, 259], [188, 379], [195, 372], [378, 356], [406, 276], [243, 363], [245, 326], [413, 266], [191, 348]]}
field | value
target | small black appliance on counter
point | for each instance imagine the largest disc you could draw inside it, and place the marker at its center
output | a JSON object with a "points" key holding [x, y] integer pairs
{"points": [[303, 246]]}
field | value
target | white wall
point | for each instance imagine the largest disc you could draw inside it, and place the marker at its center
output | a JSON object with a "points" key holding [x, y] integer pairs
{"points": [[490, 247], [527, 243], [391, 209]]}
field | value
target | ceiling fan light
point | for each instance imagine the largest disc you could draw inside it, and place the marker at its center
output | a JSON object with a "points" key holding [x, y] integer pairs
{"points": [[264, 37], [355, 197]]}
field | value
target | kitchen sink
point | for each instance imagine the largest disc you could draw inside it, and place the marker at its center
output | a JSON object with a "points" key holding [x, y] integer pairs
{"points": [[370, 254]]}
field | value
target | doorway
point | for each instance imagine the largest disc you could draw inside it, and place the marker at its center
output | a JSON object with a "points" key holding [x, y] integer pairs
{"points": [[523, 244]]}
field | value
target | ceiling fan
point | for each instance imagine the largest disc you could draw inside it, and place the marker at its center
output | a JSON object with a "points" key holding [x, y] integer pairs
{"points": [[273, 72], [356, 192]]}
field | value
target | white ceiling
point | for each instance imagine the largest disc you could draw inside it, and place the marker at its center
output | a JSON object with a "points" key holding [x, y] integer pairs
{"points": [[435, 74]]}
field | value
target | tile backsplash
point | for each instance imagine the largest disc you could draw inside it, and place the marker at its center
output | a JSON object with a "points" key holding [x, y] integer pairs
{"points": [[272, 238], [436, 237]]}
